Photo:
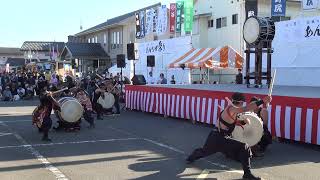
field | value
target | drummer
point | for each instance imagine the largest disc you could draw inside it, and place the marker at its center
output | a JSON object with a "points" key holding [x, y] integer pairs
{"points": [[41, 116], [220, 140], [96, 106], [266, 138], [84, 100]]}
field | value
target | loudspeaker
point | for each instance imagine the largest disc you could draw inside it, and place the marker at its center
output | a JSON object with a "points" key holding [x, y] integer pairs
{"points": [[150, 61], [121, 61], [130, 51], [138, 80]]}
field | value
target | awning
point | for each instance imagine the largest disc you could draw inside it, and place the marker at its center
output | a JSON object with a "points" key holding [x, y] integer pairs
{"points": [[222, 57]]}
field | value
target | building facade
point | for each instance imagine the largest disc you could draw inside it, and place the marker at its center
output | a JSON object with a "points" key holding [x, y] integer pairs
{"points": [[11, 56], [218, 23]]}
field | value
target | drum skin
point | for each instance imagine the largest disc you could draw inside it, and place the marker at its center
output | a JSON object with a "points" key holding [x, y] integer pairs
{"points": [[250, 133], [71, 110], [108, 100]]}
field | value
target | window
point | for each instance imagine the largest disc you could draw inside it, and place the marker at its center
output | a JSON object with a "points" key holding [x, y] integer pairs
{"points": [[118, 37], [104, 39], [218, 23], [235, 19], [89, 40], [221, 22], [210, 23], [224, 22], [278, 18], [92, 40], [114, 38], [96, 39]]}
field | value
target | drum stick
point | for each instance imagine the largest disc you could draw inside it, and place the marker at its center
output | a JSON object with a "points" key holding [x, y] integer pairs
{"points": [[271, 85], [100, 76], [272, 82], [61, 90]]}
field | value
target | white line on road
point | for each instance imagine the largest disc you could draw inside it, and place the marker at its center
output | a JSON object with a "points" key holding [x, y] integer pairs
{"points": [[177, 150], [58, 174], [203, 174], [72, 142], [15, 121]]}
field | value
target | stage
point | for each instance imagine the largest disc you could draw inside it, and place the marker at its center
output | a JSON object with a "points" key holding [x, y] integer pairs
{"points": [[293, 114]]}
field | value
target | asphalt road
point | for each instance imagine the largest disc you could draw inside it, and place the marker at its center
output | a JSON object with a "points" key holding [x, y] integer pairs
{"points": [[134, 145]]}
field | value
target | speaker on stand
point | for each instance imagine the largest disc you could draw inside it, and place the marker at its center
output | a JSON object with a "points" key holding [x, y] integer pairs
{"points": [[121, 63]]}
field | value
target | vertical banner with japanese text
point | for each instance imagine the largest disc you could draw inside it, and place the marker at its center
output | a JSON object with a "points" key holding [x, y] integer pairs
{"points": [[278, 8], [179, 7], [188, 15], [172, 17]]}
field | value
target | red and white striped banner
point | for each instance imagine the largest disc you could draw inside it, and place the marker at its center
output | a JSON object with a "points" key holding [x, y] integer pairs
{"points": [[292, 118]]}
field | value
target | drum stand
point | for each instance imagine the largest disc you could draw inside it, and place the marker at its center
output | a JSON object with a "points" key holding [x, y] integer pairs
{"points": [[258, 75]]}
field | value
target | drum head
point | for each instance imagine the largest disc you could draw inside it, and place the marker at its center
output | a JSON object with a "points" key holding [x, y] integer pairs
{"points": [[108, 100], [251, 133], [251, 30], [71, 111]]}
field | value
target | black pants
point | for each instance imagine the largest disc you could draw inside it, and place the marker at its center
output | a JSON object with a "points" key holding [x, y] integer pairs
{"points": [[87, 115], [266, 139], [116, 103], [46, 126], [217, 142]]}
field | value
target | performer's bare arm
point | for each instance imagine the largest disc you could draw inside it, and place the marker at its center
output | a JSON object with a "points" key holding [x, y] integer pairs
{"points": [[264, 116], [250, 107]]}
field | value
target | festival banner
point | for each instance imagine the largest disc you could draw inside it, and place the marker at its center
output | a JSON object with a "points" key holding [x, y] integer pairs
{"points": [[251, 7], [172, 17], [188, 15], [179, 7], [310, 4], [142, 28], [150, 13], [278, 8], [138, 31], [162, 22]]}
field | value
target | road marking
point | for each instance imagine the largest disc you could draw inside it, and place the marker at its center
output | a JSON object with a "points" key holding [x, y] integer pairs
{"points": [[5, 134], [203, 174], [72, 142], [58, 174], [14, 121]]}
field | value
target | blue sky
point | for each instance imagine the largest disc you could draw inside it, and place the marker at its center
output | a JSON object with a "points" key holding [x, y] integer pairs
{"points": [[44, 20]]}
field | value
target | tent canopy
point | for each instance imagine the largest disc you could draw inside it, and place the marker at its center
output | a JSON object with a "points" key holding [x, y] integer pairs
{"points": [[221, 57]]}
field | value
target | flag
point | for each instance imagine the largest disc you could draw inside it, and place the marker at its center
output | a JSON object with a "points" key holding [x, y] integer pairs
{"points": [[310, 4], [138, 31], [150, 13], [162, 22]]}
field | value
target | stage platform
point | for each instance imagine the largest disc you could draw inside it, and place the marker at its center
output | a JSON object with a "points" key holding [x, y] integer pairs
{"points": [[293, 114]]}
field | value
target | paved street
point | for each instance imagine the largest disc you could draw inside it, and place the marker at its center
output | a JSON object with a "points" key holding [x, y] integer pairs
{"points": [[134, 145]]}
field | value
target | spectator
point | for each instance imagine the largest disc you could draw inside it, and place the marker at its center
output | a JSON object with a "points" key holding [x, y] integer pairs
{"points": [[151, 79], [162, 79], [172, 80], [7, 95], [239, 77], [21, 92]]}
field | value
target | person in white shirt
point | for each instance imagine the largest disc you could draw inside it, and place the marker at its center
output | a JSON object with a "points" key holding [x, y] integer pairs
{"points": [[151, 79]]}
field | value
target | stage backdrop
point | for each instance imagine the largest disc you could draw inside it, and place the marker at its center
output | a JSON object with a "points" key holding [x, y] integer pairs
{"points": [[296, 52]]}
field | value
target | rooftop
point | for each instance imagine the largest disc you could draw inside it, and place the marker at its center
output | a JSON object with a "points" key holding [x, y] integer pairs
{"points": [[41, 46]]}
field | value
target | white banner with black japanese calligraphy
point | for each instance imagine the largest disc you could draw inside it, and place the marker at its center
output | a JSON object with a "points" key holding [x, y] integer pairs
{"points": [[142, 21], [162, 23], [150, 13], [310, 4]]}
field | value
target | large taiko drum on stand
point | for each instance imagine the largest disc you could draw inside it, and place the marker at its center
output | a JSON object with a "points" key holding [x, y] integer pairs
{"points": [[257, 29], [71, 110], [106, 100], [249, 133]]}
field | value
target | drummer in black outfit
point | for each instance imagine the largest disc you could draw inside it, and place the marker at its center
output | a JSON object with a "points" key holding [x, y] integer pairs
{"points": [[41, 115], [221, 141]]}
